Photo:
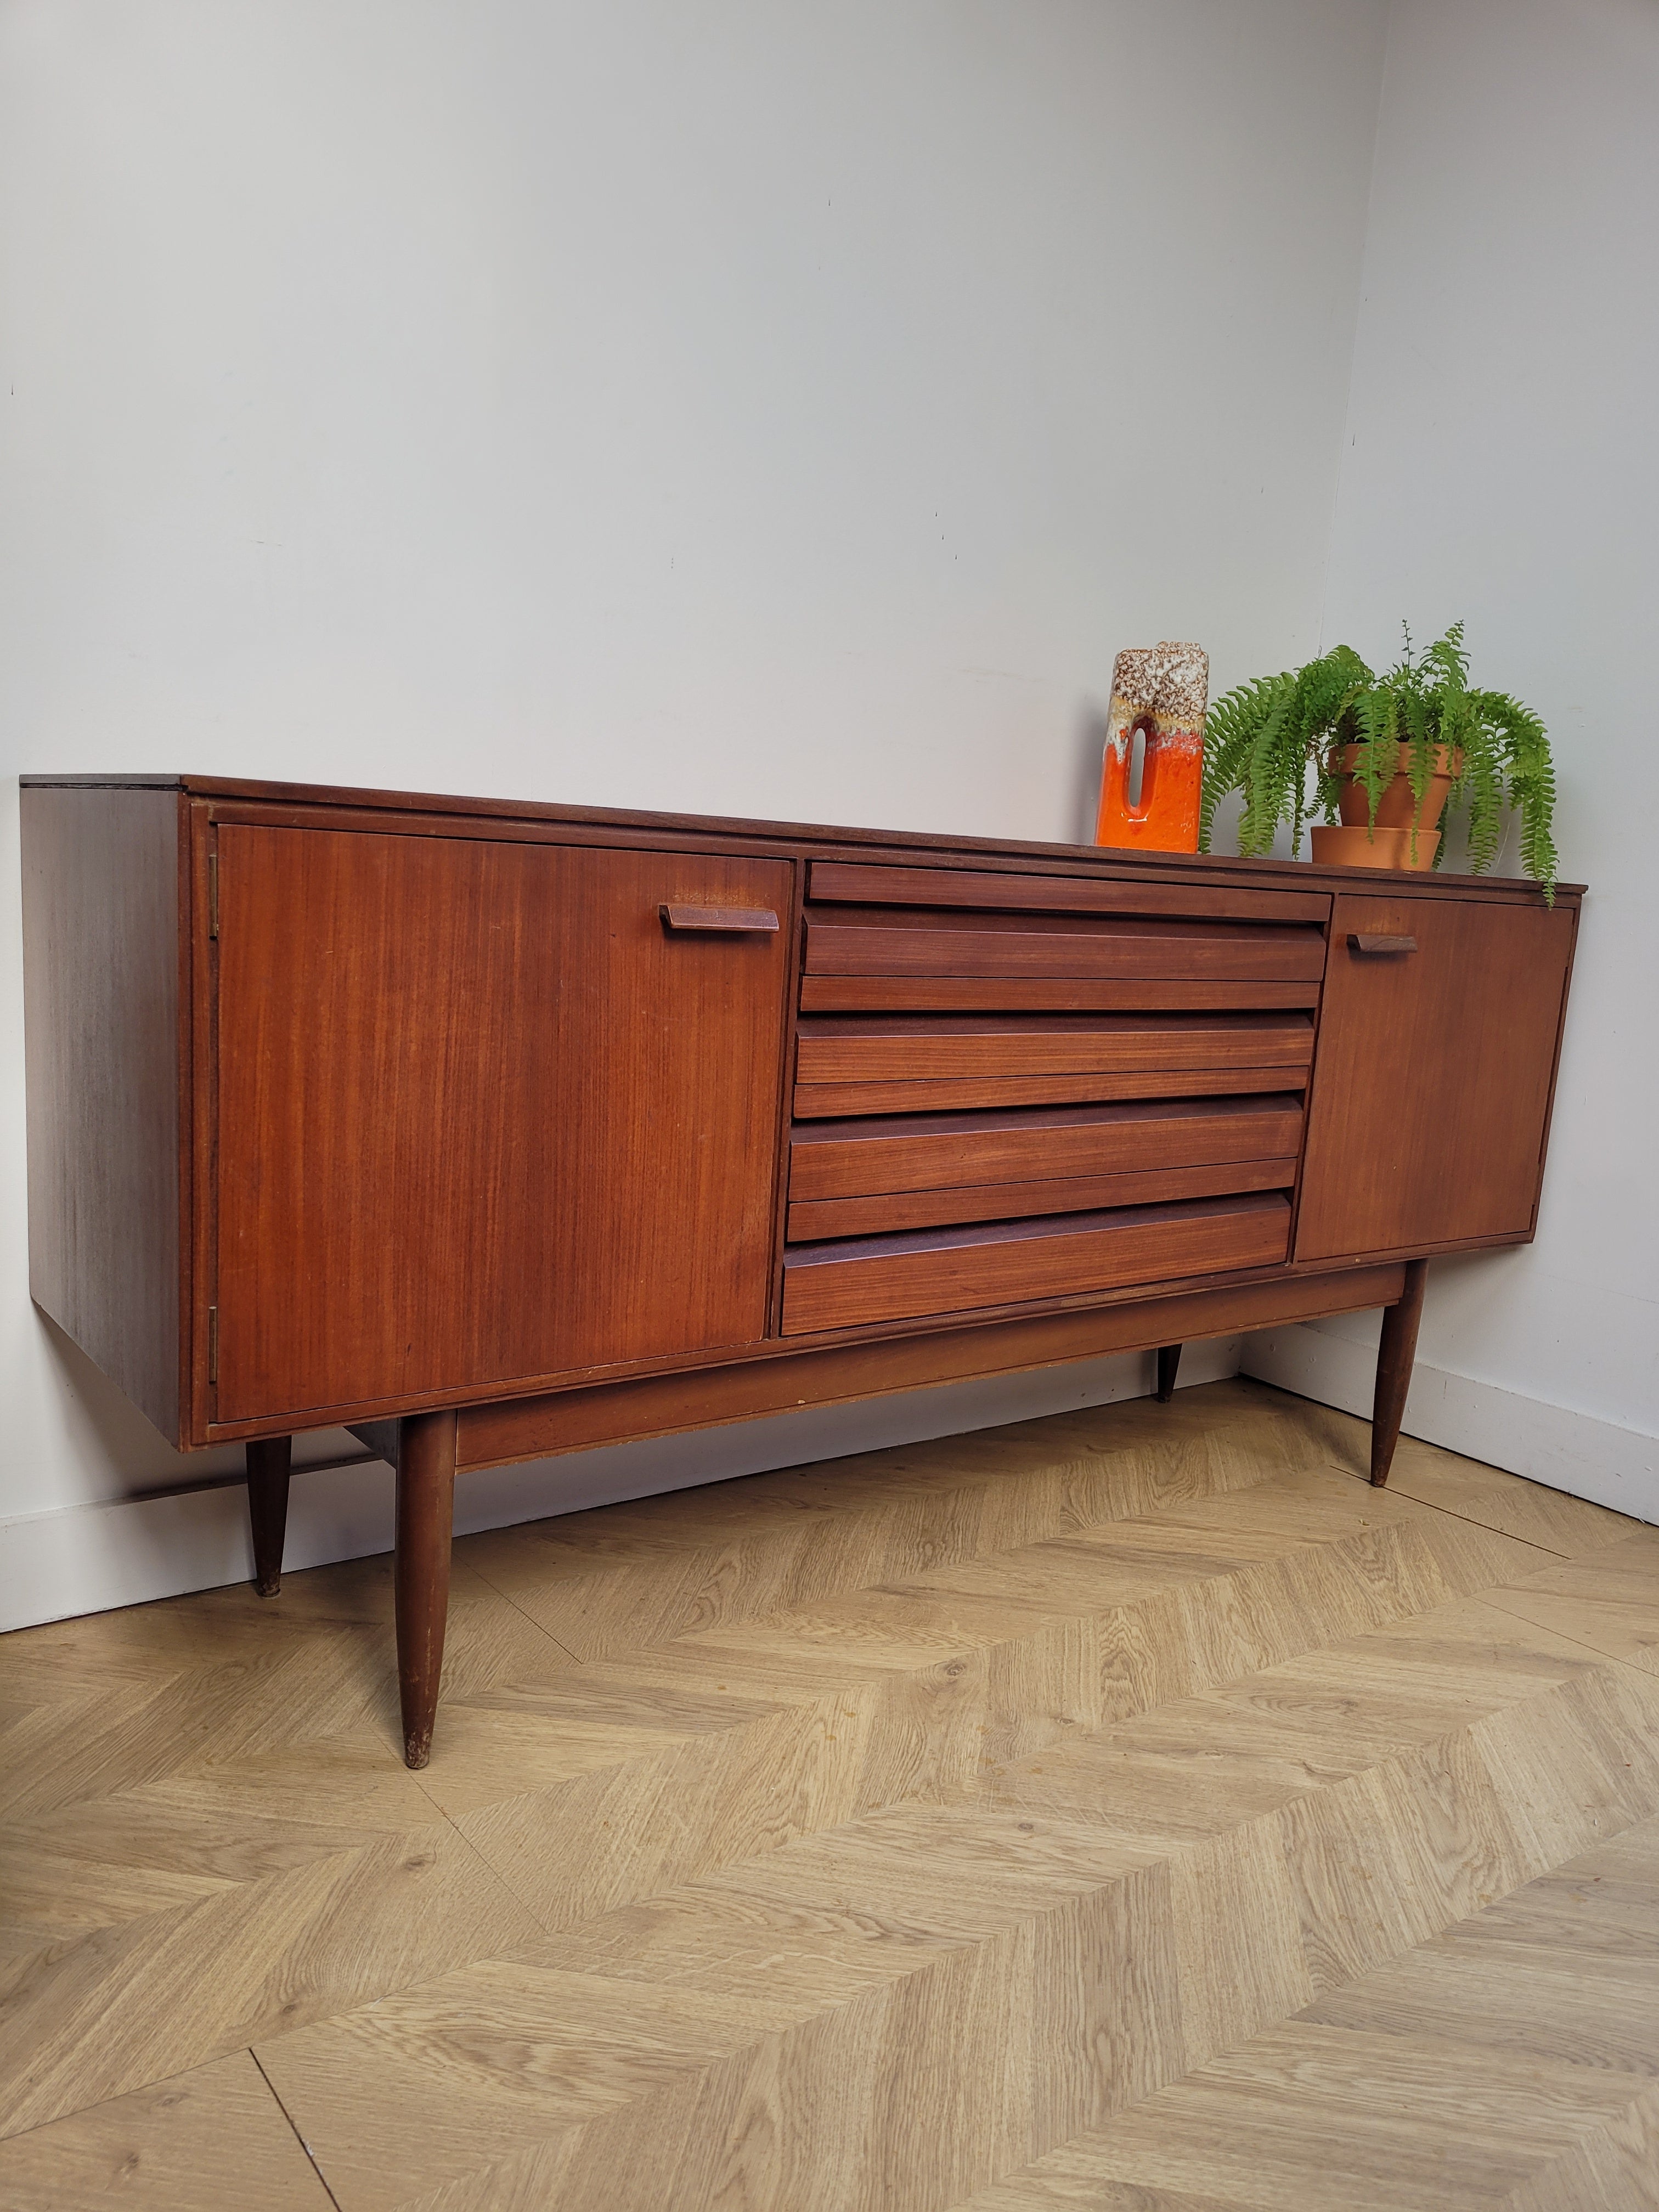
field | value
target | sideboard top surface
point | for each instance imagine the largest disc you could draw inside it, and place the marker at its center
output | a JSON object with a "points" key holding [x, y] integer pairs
{"points": [[1018, 854]]}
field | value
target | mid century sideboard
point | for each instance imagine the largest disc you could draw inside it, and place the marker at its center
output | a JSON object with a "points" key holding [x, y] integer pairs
{"points": [[493, 1131]]}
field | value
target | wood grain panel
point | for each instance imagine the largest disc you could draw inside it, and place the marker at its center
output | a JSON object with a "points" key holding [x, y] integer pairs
{"points": [[1034, 946], [261, 1949], [1505, 2063], [662, 1405], [1609, 1601], [898, 995], [1432, 1090], [893, 1211], [904, 1049], [862, 1157], [853, 884], [481, 1115], [967, 1094], [101, 1014], [955, 1270], [196, 2143]]}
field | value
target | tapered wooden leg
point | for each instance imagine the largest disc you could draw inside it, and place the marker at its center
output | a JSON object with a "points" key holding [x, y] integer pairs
{"points": [[270, 1461], [1169, 1366], [425, 1516], [1395, 1356]]}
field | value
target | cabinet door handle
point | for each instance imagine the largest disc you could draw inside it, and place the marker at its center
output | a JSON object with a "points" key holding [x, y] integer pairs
{"points": [[1361, 941], [729, 920]]}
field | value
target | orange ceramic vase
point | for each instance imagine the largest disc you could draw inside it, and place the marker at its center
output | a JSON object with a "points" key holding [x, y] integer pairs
{"points": [[1160, 693], [1165, 819]]}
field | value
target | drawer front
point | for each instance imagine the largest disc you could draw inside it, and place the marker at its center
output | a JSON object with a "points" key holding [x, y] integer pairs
{"points": [[860, 941], [959, 1095], [1060, 994], [949, 1271], [866, 1158], [894, 1210], [896, 1051], [858, 884]]}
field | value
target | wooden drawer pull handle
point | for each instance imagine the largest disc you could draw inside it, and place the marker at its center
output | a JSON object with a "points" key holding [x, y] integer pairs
{"points": [[729, 919], [1359, 942]]}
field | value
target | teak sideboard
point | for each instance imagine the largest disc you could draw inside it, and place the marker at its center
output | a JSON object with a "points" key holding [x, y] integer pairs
{"points": [[492, 1131]]}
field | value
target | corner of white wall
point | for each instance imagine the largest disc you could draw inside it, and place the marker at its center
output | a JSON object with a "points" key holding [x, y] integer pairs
{"points": [[1555, 1444], [1513, 486]]}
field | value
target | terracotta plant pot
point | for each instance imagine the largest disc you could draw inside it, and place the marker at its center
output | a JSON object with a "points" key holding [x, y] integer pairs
{"points": [[1350, 845], [1356, 845]]}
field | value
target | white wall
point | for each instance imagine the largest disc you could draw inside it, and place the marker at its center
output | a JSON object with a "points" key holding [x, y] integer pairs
{"points": [[778, 410], [1501, 463]]}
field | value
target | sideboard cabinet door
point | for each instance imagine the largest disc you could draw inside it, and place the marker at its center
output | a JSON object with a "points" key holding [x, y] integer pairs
{"points": [[1432, 1073], [482, 1116]]}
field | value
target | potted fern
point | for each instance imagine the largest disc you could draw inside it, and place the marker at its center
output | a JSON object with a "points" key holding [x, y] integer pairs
{"points": [[1390, 753]]}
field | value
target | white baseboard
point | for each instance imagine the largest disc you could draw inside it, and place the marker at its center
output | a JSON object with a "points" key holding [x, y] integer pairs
{"points": [[88, 1558], [1572, 1451]]}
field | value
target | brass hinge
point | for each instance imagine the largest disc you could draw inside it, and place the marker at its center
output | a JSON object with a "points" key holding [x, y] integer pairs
{"points": [[213, 1344], [213, 893]]}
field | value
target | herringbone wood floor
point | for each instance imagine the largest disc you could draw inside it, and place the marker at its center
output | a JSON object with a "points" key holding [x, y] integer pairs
{"points": [[1129, 1809]]}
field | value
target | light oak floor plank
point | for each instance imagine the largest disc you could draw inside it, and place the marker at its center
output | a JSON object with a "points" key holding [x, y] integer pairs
{"points": [[148, 1997], [1511, 2060], [1609, 1601], [203, 2142]]}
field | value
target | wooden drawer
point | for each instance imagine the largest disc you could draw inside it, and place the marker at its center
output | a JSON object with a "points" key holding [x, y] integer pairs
{"points": [[896, 1051], [893, 1064], [944, 1271], [866, 941], [959, 1095], [861, 884], [892, 1211], [863, 1159], [900, 994]]}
